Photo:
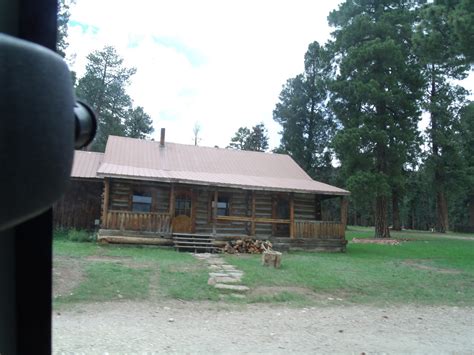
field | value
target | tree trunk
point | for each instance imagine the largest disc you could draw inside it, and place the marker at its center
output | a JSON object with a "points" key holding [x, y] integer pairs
{"points": [[471, 211], [441, 211], [395, 211], [381, 226]]}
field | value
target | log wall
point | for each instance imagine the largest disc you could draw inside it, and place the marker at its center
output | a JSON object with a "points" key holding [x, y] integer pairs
{"points": [[80, 206], [121, 192], [241, 205]]}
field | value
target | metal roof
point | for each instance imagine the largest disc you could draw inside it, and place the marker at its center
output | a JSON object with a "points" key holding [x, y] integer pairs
{"points": [[147, 160], [86, 164]]}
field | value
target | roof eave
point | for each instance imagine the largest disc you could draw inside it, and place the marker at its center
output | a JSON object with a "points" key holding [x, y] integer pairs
{"points": [[237, 186]]}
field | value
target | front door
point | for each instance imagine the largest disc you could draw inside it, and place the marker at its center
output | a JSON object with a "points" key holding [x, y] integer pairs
{"points": [[183, 212]]}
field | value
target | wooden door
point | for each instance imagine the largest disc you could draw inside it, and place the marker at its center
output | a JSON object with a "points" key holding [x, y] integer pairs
{"points": [[183, 218], [281, 210]]}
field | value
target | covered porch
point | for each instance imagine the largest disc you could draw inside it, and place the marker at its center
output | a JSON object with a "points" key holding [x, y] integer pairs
{"points": [[220, 214]]}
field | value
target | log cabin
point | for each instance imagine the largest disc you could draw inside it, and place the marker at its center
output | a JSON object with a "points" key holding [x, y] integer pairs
{"points": [[198, 198], [80, 207]]}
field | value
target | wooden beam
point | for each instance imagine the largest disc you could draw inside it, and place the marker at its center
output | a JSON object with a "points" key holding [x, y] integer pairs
{"points": [[344, 208], [255, 220], [252, 220], [292, 216], [135, 240], [214, 213], [105, 207], [193, 210]]}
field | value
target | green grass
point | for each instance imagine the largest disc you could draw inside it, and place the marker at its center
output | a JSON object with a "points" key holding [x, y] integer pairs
{"points": [[429, 269], [435, 271], [108, 282], [129, 271]]}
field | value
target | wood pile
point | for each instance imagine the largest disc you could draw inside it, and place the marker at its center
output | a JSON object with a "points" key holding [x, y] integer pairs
{"points": [[247, 246]]}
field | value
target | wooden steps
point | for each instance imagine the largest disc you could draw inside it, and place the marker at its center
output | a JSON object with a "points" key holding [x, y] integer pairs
{"points": [[199, 243]]}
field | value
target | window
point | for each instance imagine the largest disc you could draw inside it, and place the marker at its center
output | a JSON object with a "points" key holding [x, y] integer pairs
{"points": [[182, 206], [223, 206], [141, 202]]}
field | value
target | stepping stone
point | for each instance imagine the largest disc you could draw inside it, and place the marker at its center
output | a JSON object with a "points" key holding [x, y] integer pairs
{"points": [[228, 267], [236, 274], [226, 279], [218, 274], [215, 261], [223, 280], [215, 267], [235, 288]]}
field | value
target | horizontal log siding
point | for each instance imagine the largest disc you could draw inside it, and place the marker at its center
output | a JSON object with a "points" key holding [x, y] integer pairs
{"points": [[304, 207], [238, 207], [263, 209], [121, 195], [119, 199]]}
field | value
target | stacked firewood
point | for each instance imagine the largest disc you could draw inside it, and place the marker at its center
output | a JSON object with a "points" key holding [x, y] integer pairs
{"points": [[247, 245]]}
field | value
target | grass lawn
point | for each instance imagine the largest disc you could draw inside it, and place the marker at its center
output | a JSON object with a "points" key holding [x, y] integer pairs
{"points": [[127, 272], [429, 269]]}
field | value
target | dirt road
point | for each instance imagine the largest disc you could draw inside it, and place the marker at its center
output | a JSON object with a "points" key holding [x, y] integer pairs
{"points": [[196, 327]]}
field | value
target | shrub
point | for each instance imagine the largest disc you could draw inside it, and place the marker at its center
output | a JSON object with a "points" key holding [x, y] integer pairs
{"points": [[81, 236]]}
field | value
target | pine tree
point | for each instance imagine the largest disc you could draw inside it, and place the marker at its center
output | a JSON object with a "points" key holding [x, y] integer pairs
{"points": [[138, 124], [255, 139], [307, 124], [375, 96], [440, 64], [103, 86]]}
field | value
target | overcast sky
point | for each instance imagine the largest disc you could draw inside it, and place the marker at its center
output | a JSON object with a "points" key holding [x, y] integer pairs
{"points": [[219, 63]]}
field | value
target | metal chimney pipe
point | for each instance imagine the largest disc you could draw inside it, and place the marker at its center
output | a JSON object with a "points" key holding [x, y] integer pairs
{"points": [[162, 138]]}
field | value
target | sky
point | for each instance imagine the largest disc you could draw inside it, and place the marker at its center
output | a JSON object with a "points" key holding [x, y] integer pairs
{"points": [[218, 64], [221, 64]]}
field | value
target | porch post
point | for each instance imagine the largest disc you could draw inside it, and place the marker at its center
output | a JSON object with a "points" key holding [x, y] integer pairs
{"points": [[292, 216], [214, 213], [105, 207], [252, 228], [344, 208]]}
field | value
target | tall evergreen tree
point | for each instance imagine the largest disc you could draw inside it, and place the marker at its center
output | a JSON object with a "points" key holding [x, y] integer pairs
{"points": [[375, 96], [103, 86], [255, 139], [462, 22], [240, 139], [258, 138], [440, 64], [467, 150], [138, 124], [307, 125], [63, 16]]}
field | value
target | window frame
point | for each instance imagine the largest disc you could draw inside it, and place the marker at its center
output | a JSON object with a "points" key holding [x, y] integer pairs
{"points": [[227, 209], [147, 201]]}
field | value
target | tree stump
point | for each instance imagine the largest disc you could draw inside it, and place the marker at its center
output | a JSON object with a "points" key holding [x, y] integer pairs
{"points": [[271, 258]]}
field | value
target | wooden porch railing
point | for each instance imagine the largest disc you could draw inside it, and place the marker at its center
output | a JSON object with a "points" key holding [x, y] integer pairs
{"points": [[139, 221], [319, 229]]}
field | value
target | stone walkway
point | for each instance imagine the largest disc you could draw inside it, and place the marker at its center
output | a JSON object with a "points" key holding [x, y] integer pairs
{"points": [[225, 277]]}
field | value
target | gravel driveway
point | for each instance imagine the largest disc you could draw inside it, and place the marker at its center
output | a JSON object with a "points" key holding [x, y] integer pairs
{"points": [[201, 327]]}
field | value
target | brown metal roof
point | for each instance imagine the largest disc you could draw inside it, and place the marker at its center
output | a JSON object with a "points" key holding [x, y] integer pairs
{"points": [[146, 160], [86, 164]]}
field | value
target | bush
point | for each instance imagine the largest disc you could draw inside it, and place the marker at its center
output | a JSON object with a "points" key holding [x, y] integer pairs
{"points": [[60, 234], [81, 236]]}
